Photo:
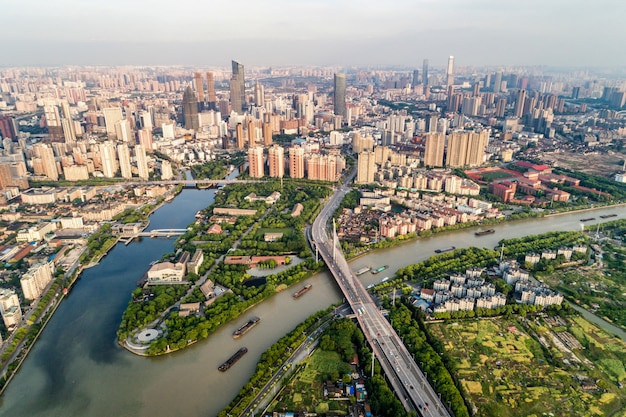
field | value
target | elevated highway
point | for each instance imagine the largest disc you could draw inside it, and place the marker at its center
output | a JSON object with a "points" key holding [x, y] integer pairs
{"points": [[407, 380]]}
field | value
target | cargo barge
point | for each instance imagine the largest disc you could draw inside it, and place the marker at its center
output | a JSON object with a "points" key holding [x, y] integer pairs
{"points": [[606, 216], [231, 361], [302, 291], [380, 269], [246, 327], [485, 232], [448, 249], [587, 219]]}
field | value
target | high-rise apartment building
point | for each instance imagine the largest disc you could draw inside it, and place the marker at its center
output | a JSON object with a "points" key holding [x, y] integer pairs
{"points": [[433, 150], [339, 95], [259, 94], [112, 115], [145, 139], [366, 167], [241, 140], [35, 280], [267, 134], [198, 86], [255, 162], [457, 148], [123, 154], [190, 109], [276, 161], [166, 170], [238, 89], [48, 162], [251, 133], [108, 159], [466, 148], [450, 72], [296, 162], [519, 103], [10, 308], [123, 131], [142, 162], [8, 128]]}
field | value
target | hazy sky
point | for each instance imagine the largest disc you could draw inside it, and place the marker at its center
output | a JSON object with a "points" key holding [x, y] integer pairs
{"points": [[322, 32]]}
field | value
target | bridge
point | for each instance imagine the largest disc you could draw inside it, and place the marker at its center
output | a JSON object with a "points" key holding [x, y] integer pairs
{"points": [[163, 232], [405, 377], [188, 183]]}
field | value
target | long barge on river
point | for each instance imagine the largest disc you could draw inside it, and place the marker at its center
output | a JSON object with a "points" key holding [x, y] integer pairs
{"points": [[231, 361], [302, 291], [246, 327]]}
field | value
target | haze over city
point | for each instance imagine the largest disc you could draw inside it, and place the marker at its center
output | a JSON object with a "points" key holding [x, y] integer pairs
{"points": [[342, 32]]}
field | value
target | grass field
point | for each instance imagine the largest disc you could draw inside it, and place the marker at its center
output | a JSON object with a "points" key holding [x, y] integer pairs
{"points": [[519, 367], [494, 175], [285, 231], [304, 392]]}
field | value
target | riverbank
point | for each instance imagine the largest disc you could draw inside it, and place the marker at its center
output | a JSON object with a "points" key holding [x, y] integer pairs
{"points": [[397, 241]]}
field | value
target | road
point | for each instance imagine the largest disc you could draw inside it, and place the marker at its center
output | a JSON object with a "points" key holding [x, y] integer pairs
{"points": [[407, 380]]}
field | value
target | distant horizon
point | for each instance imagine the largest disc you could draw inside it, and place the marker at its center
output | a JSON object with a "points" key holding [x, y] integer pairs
{"points": [[555, 33], [107, 54]]}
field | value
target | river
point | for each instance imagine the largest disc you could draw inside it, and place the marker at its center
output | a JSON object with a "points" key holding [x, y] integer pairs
{"points": [[76, 367]]}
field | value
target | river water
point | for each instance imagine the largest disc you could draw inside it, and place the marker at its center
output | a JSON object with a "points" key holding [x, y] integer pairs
{"points": [[77, 369]]}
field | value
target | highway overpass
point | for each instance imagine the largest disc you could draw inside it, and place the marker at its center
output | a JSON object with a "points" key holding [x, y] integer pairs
{"points": [[407, 380]]}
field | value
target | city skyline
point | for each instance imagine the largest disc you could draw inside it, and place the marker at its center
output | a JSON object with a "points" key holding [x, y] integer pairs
{"points": [[485, 32]]}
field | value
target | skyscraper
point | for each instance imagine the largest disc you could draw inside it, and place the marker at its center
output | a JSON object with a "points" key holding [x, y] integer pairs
{"points": [[199, 87], [425, 74], [339, 95], [276, 161], [238, 89], [519, 103], [416, 74], [210, 90], [497, 82], [251, 133], [255, 161], [190, 109], [450, 72], [366, 167]]}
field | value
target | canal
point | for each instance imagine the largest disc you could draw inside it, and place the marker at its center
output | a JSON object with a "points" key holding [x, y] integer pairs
{"points": [[77, 369]]}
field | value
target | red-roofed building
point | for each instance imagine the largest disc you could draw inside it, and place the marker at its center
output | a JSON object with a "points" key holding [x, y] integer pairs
{"points": [[542, 169]]}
